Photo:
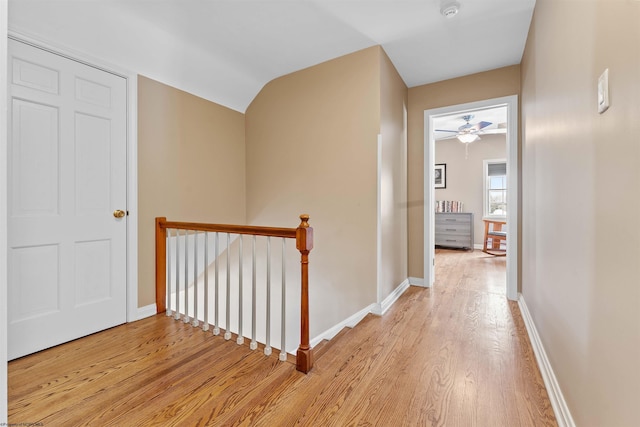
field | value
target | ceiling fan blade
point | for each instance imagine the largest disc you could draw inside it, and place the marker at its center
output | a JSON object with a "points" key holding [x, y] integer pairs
{"points": [[479, 126], [445, 130]]}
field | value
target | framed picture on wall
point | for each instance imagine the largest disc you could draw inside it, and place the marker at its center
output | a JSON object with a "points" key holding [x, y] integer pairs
{"points": [[440, 176]]}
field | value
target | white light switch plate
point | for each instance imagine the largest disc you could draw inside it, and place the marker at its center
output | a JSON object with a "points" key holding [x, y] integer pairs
{"points": [[603, 92]]}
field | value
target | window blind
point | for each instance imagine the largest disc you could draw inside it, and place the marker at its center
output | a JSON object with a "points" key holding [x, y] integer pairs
{"points": [[497, 169]]}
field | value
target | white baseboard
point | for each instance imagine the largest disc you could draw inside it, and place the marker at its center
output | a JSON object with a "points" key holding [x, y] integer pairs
{"points": [[381, 308], [347, 323], [560, 408], [416, 281], [377, 309], [478, 246], [146, 311]]}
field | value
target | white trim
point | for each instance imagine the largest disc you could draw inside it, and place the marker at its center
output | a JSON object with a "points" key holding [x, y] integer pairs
{"points": [[347, 323], [429, 199], [67, 51], [514, 196], [558, 403], [132, 199], [352, 321], [381, 308], [478, 246], [416, 281], [146, 311], [4, 4], [132, 150], [404, 196], [511, 102], [379, 224]]}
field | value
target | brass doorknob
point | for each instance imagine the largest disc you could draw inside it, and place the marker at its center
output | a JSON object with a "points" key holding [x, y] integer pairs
{"points": [[118, 213]]}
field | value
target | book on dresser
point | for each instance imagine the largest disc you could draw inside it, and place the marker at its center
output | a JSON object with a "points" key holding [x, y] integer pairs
{"points": [[454, 229]]}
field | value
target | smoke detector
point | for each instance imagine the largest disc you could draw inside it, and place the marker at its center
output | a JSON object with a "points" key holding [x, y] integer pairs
{"points": [[449, 9]]}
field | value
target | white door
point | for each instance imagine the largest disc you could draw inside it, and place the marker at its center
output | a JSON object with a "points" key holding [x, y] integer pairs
{"points": [[67, 176]]}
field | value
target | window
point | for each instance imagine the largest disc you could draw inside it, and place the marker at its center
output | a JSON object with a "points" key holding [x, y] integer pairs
{"points": [[495, 188]]}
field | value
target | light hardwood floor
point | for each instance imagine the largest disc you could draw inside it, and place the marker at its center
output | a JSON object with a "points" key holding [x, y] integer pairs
{"points": [[454, 355]]}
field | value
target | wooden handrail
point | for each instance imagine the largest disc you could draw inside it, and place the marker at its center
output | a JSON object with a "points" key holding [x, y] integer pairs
{"points": [[234, 229], [304, 243]]}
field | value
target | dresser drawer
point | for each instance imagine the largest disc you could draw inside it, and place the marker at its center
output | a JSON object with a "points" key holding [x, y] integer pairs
{"points": [[452, 218], [454, 228], [457, 241]]}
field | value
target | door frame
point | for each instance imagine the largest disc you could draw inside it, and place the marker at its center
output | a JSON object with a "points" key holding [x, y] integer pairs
{"points": [[133, 312], [4, 6], [511, 102]]}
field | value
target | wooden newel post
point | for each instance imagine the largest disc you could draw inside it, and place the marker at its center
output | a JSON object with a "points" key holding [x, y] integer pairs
{"points": [[304, 243], [161, 265]]}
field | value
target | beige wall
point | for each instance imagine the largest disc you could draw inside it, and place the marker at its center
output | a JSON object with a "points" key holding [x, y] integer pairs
{"points": [[191, 167], [465, 176], [393, 178], [476, 87], [581, 175], [311, 140]]}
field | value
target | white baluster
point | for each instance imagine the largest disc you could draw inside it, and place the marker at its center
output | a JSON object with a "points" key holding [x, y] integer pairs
{"points": [[254, 343], [195, 322], [216, 326], [267, 348], [177, 311], [283, 349], [205, 324], [168, 312], [227, 333], [240, 339], [185, 318]]}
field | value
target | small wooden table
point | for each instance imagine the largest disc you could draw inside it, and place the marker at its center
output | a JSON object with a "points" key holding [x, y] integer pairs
{"points": [[493, 230]]}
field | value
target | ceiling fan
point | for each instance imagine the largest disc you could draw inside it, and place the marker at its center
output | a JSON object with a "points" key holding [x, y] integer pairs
{"points": [[469, 132]]}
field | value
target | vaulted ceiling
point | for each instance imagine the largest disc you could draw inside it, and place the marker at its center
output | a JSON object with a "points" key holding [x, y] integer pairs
{"points": [[227, 50]]}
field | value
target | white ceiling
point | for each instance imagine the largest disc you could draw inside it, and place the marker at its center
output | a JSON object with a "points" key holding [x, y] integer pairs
{"points": [[227, 50]]}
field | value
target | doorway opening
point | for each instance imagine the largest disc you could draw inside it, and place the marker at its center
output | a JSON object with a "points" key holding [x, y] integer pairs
{"points": [[434, 118]]}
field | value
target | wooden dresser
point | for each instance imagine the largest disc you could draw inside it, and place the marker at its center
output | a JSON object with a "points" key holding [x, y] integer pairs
{"points": [[454, 230]]}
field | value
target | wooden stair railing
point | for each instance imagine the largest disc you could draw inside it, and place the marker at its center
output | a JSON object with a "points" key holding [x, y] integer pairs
{"points": [[303, 235]]}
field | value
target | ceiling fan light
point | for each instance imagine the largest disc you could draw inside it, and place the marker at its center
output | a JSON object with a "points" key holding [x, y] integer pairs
{"points": [[449, 9], [467, 137]]}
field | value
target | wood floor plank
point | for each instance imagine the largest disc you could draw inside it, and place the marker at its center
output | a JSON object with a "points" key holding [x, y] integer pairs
{"points": [[211, 391], [389, 391], [161, 399], [109, 378], [456, 354]]}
